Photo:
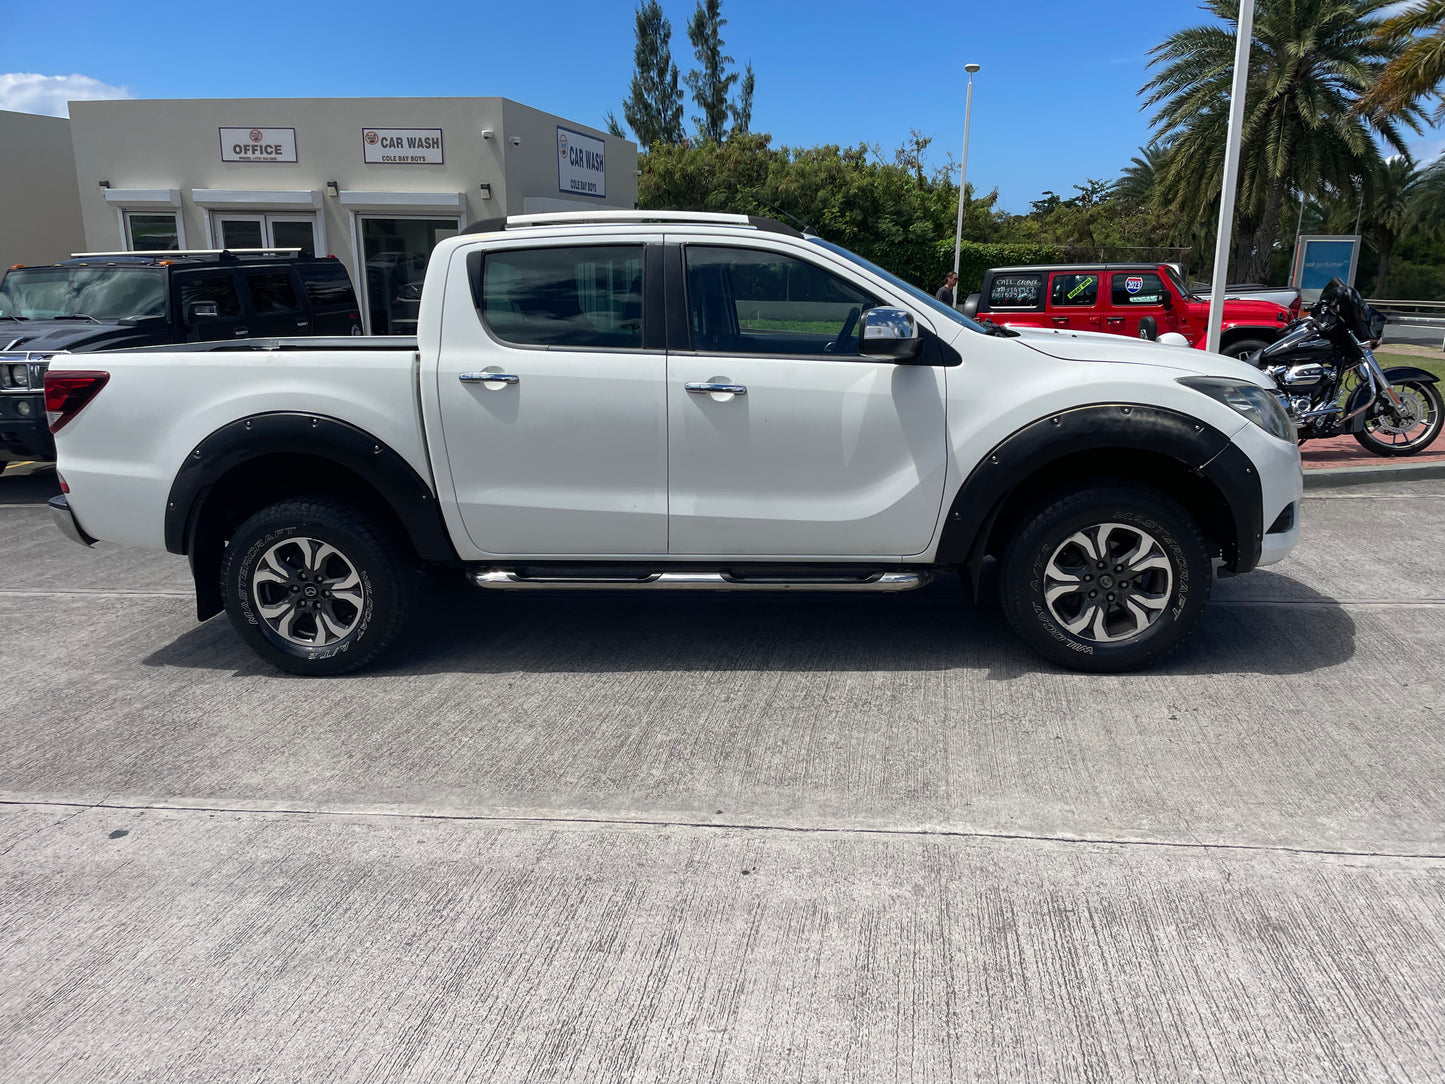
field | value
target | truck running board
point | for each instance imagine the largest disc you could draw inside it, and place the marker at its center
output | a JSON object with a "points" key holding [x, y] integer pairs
{"points": [[501, 579]]}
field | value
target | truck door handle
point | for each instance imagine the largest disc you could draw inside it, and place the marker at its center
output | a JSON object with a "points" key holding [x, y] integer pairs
{"points": [[487, 378], [703, 389], [241, 331], [1116, 321], [1061, 321]]}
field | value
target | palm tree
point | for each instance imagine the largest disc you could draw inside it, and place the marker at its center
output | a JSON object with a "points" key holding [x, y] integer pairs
{"points": [[1310, 62], [1418, 71], [1137, 185], [1392, 200]]}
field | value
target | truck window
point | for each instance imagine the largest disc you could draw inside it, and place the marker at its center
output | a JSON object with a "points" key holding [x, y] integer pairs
{"points": [[1137, 288], [271, 292], [218, 287], [328, 286], [1015, 292], [749, 301], [1081, 289], [584, 296]]}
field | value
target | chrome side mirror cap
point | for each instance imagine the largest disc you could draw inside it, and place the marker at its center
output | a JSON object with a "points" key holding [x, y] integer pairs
{"points": [[890, 333]]}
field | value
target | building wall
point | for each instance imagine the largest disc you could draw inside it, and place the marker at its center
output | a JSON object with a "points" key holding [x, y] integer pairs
{"points": [[159, 153], [39, 202]]}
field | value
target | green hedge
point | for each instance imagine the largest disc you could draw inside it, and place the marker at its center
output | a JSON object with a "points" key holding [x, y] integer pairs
{"points": [[977, 257]]}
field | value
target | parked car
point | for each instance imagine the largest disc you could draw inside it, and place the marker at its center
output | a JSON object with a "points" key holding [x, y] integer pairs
{"points": [[665, 401], [1139, 300], [122, 300]]}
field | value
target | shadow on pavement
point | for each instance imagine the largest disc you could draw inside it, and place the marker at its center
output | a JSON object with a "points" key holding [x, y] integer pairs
{"points": [[28, 485], [931, 630]]}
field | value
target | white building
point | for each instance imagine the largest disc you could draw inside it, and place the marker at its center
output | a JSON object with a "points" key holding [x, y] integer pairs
{"points": [[39, 204], [376, 182]]}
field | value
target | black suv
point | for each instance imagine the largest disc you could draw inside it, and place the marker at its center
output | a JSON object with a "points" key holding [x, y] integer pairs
{"points": [[122, 300]]}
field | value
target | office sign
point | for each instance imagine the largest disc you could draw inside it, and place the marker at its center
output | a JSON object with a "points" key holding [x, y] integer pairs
{"points": [[1321, 258], [258, 144], [581, 164], [402, 146]]}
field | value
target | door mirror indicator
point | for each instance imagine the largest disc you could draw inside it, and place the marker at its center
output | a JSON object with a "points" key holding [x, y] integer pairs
{"points": [[890, 333], [202, 310]]}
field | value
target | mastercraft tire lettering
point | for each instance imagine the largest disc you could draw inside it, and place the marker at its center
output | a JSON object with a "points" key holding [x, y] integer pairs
{"points": [[315, 586], [1106, 579]]}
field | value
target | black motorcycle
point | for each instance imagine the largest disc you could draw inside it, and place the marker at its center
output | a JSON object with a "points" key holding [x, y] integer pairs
{"points": [[1331, 383]]}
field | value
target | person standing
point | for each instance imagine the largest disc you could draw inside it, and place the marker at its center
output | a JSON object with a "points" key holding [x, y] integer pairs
{"points": [[945, 292]]}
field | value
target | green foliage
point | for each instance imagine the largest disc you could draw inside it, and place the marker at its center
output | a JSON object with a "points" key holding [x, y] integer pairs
{"points": [[977, 257], [892, 213], [654, 100]]}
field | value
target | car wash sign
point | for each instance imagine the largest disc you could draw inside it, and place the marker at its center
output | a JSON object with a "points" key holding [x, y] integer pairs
{"points": [[258, 144], [581, 164], [402, 146]]}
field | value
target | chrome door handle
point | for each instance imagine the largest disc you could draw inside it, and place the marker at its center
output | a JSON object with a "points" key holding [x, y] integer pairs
{"points": [[702, 389], [487, 378], [241, 331]]}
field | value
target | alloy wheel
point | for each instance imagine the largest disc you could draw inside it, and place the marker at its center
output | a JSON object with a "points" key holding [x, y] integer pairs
{"points": [[308, 592], [1108, 582]]}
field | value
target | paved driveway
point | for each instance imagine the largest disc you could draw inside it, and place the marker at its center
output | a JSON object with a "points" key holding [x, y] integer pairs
{"points": [[727, 839]]}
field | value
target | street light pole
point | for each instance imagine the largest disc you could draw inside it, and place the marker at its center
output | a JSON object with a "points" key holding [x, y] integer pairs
{"points": [[962, 180], [1231, 172]]}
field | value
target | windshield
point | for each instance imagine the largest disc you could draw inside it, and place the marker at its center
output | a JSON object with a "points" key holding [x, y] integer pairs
{"points": [[102, 293], [912, 291], [1178, 282]]}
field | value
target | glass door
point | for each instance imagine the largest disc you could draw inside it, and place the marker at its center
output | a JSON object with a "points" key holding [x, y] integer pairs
{"points": [[395, 253]]}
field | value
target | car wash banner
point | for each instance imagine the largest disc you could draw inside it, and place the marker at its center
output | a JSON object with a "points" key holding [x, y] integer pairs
{"points": [[581, 164]]}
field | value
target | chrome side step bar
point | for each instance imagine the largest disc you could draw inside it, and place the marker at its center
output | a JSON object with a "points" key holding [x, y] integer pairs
{"points": [[501, 579]]}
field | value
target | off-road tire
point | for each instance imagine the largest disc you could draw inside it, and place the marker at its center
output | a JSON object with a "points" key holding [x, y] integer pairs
{"points": [[1039, 541], [1242, 348], [383, 595]]}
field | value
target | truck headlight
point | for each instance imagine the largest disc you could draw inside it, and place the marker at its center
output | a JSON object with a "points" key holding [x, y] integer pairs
{"points": [[1259, 405], [19, 376]]}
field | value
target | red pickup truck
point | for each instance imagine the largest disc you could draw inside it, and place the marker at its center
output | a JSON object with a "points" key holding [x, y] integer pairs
{"points": [[1139, 300]]}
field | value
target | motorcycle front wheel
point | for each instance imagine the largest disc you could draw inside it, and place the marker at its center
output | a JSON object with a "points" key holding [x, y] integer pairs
{"points": [[1411, 430]]}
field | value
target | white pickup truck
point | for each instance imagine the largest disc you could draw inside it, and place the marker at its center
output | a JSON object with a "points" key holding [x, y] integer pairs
{"points": [[634, 401]]}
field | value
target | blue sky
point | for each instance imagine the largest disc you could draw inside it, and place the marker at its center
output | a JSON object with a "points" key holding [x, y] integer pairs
{"points": [[1055, 103]]}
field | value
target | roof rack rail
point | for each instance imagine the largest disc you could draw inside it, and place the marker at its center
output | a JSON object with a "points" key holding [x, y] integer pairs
{"points": [[151, 252], [573, 218]]}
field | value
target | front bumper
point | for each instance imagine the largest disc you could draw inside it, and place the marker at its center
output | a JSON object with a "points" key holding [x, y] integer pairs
{"points": [[1281, 485], [24, 433], [65, 520]]}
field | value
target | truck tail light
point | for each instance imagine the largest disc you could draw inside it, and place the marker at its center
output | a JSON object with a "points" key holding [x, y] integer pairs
{"points": [[66, 395]]}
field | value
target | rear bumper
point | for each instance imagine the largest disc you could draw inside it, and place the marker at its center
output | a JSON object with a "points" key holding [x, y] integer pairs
{"points": [[24, 435], [65, 520]]}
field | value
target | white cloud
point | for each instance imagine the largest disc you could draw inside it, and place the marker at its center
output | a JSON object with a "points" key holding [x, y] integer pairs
{"points": [[24, 92]]}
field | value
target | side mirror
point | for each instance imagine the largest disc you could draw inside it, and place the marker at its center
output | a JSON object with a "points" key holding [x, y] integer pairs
{"points": [[1168, 300], [202, 310], [890, 333], [970, 306]]}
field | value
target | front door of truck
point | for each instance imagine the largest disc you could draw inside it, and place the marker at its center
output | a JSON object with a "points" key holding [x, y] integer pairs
{"points": [[1133, 297], [782, 440], [551, 401]]}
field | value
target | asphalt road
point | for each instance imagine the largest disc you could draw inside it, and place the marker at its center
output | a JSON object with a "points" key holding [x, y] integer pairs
{"points": [[1416, 332], [727, 839]]}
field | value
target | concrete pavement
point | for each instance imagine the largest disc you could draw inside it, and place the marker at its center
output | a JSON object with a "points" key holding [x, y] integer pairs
{"points": [[731, 839]]}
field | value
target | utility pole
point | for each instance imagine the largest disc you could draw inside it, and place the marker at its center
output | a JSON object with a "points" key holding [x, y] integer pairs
{"points": [[962, 179], [1225, 238]]}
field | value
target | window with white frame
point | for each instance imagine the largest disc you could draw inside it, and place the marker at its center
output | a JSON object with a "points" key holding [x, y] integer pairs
{"points": [[152, 231]]}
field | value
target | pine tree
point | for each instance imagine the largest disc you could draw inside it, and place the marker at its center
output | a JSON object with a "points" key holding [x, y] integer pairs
{"points": [[653, 108], [742, 111], [712, 82]]}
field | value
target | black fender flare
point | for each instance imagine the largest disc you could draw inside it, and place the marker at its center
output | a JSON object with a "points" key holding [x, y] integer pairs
{"points": [[409, 496], [1396, 374], [1195, 446]]}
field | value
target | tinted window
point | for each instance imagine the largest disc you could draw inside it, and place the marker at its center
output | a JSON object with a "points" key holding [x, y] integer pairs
{"points": [[219, 288], [271, 292], [751, 302], [1137, 288], [1015, 291], [582, 297], [1075, 289], [328, 286], [150, 233]]}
